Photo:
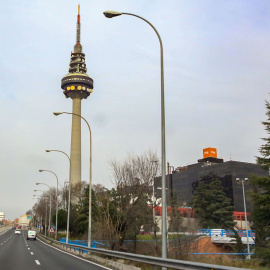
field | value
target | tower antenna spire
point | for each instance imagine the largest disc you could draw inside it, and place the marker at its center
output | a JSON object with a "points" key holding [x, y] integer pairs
{"points": [[78, 37]]}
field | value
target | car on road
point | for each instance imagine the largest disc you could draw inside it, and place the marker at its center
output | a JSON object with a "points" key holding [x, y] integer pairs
{"points": [[17, 232], [31, 235]]}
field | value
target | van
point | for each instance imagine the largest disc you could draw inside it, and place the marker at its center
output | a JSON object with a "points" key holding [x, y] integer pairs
{"points": [[31, 235]]}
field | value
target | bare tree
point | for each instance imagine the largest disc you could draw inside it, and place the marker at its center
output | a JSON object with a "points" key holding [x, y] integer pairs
{"points": [[126, 207], [98, 188]]}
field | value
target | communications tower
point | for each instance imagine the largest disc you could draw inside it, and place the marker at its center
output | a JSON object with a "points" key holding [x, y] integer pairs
{"points": [[76, 85]]}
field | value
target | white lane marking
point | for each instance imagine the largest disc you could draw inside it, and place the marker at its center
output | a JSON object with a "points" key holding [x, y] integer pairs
{"points": [[4, 231], [31, 253], [28, 248], [74, 255], [37, 262]]}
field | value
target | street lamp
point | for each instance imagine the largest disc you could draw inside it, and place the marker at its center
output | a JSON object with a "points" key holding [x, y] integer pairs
{"points": [[111, 14], [243, 187], [50, 203], [90, 174], [55, 235], [68, 190]]}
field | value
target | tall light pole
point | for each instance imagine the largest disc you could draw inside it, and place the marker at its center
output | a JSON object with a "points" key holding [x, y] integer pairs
{"points": [[90, 175], [244, 198], [111, 14], [55, 235], [68, 190], [50, 214]]}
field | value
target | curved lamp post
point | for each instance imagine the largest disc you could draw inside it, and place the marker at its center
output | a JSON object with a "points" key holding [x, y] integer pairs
{"points": [[68, 191], [50, 214], [55, 235], [245, 209], [90, 174], [111, 14]]}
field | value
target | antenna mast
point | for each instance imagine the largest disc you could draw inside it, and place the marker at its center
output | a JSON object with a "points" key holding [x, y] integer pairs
{"points": [[78, 37]]}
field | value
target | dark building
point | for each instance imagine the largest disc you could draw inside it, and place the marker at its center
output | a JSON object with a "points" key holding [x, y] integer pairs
{"points": [[183, 180]]}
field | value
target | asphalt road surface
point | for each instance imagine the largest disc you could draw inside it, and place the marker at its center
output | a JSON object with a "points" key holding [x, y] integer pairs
{"points": [[18, 253]]}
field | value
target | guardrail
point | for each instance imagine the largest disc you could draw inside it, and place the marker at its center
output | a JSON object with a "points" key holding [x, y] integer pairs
{"points": [[168, 263]]}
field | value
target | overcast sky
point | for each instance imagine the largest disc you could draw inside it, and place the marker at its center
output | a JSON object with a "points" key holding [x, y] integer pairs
{"points": [[216, 68]]}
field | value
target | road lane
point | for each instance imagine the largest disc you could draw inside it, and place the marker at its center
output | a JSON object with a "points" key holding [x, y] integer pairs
{"points": [[18, 253], [5, 236], [14, 253], [4, 230], [52, 258]]}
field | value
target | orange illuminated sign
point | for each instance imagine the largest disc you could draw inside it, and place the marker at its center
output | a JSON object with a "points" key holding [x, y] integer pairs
{"points": [[209, 152]]}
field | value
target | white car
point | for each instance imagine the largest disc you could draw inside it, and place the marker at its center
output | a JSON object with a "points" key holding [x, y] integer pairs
{"points": [[17, 232], [31, 235]]}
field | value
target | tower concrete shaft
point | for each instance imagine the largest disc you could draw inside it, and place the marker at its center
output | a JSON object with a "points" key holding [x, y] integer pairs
{"points": [[75, 149], [76, 85]]}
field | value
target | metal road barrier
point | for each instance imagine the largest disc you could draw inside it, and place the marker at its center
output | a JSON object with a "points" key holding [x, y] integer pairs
{"points": [[168, 263]]}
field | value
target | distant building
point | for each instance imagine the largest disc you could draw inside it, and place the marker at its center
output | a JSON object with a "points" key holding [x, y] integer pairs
{"points": [[6, 222], [24, 220], [182, 181], [2, 216]]}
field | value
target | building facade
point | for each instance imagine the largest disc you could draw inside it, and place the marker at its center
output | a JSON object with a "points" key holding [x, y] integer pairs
{"points": [[24, 220], [183, 181], [2, 216]]}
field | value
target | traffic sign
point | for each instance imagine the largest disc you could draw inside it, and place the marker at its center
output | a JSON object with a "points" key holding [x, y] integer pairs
{"points": [[51, 229]]}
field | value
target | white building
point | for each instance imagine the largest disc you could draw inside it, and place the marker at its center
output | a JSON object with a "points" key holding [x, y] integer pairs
{"points": [[24, 220], [2, 216]]}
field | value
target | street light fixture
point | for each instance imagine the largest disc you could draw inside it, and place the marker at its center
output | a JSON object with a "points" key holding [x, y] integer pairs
{"points": [[245, 209], [55, 235], [90, 175], [111, 14], [50, 214], [69, 190]]}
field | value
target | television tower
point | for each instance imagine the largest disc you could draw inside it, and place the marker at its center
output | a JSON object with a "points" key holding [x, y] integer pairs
{"points": [[76, 85]]}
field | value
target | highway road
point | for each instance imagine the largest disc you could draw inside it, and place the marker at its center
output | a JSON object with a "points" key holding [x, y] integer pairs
{"points": [[18, 253]]}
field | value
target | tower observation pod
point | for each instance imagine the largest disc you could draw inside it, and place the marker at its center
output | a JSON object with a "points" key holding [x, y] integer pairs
{"points": [[76, 85]]}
